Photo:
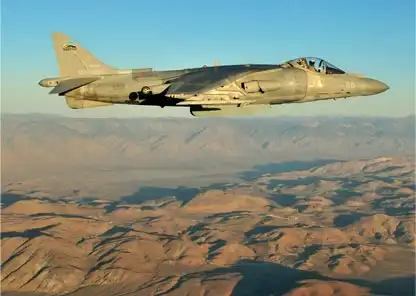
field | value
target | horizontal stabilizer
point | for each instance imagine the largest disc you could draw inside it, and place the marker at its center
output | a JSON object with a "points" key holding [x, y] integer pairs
{"points": [[72, 83]]}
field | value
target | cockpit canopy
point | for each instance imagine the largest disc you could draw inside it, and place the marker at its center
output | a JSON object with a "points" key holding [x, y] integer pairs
{"points": [[313, 64]]}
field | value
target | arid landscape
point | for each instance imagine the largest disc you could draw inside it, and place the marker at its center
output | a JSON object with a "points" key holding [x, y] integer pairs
{"points": [[281, 206]]}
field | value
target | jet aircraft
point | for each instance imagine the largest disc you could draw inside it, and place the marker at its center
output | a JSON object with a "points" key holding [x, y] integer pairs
{"points": [[224, 90]]}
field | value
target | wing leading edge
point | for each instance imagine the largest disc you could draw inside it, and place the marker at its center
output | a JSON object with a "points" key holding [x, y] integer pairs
{"points": [[209, 78]]}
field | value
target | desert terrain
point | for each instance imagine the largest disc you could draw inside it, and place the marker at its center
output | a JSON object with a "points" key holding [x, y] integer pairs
{"points": [[288, 206]]}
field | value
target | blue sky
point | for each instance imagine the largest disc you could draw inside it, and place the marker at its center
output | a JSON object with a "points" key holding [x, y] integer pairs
{"points": [[374, 38]]}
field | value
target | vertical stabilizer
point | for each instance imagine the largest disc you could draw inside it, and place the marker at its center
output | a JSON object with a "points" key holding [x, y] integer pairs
{"points": [[74, 60]]}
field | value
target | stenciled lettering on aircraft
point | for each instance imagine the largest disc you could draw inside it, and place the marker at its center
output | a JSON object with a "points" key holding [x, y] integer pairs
{"points": [[315, 83], [350, 84], [118, 86]]}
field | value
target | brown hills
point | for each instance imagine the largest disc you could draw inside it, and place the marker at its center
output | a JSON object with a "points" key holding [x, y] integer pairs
{"points": [[300, 232]]}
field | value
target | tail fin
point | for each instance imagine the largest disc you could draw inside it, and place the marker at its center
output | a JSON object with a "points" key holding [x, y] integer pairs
{"points": [[74, 60]]}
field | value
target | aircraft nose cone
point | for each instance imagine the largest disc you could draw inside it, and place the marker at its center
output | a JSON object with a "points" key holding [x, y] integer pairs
{"points": [[375, 87]]}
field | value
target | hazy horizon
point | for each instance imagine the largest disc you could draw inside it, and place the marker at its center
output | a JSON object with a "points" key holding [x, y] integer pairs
{"points": [[224, 206], [80, 115]]}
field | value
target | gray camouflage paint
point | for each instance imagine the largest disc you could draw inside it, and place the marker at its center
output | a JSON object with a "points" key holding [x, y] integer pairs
{"points": [[86, 82]]}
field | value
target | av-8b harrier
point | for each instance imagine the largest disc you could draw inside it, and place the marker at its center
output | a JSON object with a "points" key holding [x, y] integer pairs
{"points": [[86, 82]]}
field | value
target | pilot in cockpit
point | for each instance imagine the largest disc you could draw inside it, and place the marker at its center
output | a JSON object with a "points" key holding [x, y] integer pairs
{"points": [[302, 63], [312, 65]]}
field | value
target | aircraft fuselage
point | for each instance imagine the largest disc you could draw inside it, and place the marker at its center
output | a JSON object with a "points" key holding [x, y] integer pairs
{"points": [[274, 86]]}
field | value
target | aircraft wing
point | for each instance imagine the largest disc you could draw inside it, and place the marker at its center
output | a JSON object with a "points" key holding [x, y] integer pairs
{"points": [[208, 78]]}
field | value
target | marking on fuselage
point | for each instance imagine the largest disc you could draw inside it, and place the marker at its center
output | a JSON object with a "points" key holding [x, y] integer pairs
{"points": [[315, 83], [118, 86], [350, 84]]}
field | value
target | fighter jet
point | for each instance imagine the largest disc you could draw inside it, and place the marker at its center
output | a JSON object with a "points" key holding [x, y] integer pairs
{"points": [[218, 90]]}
